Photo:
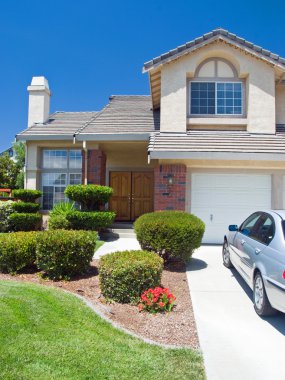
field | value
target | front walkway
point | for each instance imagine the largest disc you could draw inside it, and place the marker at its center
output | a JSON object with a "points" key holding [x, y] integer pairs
{"points": [[236, 343], [121, 244]]}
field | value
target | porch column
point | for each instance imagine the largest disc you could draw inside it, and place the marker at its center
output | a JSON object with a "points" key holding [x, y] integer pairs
{"points": [[96, 166], [170, 187]]}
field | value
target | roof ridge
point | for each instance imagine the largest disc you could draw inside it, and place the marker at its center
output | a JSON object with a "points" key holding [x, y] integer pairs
{"points": [[81, 129], [214, 34]]}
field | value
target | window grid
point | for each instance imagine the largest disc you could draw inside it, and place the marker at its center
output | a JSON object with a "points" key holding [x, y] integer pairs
{"points": [[216, 98], [54, 183]]}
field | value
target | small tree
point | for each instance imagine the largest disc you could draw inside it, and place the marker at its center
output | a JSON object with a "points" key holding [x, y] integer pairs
{"points": [[8, 172], [90, 197]]}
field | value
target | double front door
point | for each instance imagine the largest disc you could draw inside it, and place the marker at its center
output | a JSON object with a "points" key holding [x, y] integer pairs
{"points": [[133, 194]]}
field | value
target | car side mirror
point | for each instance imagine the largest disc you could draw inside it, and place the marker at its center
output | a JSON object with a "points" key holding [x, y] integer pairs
{"points": [[233, 227]]}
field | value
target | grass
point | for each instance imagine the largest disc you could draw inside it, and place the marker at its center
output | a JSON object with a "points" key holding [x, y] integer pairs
{"points": [[47, 334], [99, 243]]}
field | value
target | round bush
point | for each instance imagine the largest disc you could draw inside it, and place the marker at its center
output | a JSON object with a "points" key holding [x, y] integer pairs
{"points": [[125, 275], [27, 195], [17, 251], [25, 207], [91, 197], [172, 234], [62, 254], [25, 222]]}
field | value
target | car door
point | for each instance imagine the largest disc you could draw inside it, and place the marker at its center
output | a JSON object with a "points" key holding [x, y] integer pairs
{"points": [[257, 241], [241, 242]]}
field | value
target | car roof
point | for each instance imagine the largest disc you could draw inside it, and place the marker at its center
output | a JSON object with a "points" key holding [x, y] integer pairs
{"points": [[280, 213]]}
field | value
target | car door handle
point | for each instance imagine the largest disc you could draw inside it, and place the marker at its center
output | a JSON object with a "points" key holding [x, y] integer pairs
{"points": [[242, 242], [257, 250]]}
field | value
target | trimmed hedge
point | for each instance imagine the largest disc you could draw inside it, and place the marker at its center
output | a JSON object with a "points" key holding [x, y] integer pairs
{"points": [[17, 251], [62, 254], [25, 222], [125, 275], [58, 222], [25, 207], [27, 195], [90, 197], [94, 221], [171, 234]]}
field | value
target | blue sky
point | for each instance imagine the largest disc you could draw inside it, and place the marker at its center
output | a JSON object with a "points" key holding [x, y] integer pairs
{"points": [[89, 50]]}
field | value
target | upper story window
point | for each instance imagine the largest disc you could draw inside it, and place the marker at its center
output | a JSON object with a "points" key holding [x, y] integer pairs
{"points": [[216, 90]]}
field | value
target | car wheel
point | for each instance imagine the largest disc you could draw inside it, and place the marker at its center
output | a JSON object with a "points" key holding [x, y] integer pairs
{"points": [[226, 256], [261, 303]]}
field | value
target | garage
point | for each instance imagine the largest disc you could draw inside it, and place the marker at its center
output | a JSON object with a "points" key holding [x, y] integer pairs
{"points": [[223, 199]]}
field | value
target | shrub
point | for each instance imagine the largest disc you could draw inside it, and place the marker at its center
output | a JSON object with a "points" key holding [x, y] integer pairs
{"points": [[62, 208], [17, 251], [27, 195], [95, 221], [62, 254], [6, 209], [58, 222], [25, 207], [25, 222], [125, 275], [171, 234], [90, 197], [157, 299]]}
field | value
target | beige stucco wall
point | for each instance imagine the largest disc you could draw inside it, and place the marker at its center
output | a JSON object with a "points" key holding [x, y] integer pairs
{"points": [[260, 88], [280, 104]]}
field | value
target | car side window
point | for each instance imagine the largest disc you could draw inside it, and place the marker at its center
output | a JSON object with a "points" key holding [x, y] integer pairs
{"points": [[249, 225], [266, 230]]}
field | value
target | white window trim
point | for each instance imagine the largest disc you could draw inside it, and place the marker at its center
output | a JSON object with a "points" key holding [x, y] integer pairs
{"points": [[198, 80]]}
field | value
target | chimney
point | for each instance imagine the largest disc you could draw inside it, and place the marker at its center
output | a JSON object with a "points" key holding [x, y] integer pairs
{"points": [[39, 101]]}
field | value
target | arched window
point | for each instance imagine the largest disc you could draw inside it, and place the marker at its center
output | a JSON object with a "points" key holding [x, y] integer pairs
{"points": [[216, 89]]}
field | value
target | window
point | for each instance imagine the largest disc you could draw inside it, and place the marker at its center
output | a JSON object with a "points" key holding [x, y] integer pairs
{"points": [[260, 227], [216, 90], [60, 168], [249, 225]]}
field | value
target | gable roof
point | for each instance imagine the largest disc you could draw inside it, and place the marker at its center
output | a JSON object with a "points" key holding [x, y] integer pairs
{"points": [[129, 116], [216, 34], [124, 114]]}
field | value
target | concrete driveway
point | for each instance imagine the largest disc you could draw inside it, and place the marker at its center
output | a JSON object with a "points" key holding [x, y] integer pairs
{"points": [[236, 343]]}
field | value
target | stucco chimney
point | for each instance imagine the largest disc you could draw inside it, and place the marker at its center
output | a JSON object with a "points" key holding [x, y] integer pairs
{"points": [[39, 101]]}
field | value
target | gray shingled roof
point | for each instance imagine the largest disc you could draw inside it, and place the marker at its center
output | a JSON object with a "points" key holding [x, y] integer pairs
{"points": [[60, 123], [217, 141], [212, 36], [123, 115]]}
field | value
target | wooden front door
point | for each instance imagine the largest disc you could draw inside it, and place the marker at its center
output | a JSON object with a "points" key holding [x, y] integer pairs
{"points": [[133, 194]]}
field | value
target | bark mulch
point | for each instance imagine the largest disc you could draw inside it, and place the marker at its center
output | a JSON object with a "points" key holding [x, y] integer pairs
{"points": [[176, 328]]}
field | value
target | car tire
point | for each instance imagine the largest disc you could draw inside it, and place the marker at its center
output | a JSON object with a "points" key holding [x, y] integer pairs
{"points": [[260, 300], [226, 256]]}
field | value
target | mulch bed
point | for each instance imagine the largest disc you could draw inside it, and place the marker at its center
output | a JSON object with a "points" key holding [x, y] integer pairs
{"points": [[176, 328]]}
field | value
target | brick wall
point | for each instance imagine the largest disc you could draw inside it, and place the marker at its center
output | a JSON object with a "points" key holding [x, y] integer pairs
{"points": [[169, 196], [96, 167]]}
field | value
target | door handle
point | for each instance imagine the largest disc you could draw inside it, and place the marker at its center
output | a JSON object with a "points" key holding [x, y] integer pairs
{"points": [[211, 217], [242, 242], [257, 250]]}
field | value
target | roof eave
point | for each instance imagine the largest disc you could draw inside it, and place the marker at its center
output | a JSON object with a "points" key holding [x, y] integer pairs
{"points": [[235, 156]]}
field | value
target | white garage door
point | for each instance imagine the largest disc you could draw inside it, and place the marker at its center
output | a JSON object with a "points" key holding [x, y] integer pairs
{"points": [[223, 199]]}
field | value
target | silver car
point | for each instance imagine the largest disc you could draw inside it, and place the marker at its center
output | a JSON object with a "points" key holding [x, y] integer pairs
{"points": [[257, 250]]}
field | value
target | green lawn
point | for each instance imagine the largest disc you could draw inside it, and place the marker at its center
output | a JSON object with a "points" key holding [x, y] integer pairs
{"points": [[48, 334], [98, 244]]}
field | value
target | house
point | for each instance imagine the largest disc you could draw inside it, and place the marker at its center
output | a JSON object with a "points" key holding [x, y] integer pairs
{"points": [[10, 152], [209, 138]]}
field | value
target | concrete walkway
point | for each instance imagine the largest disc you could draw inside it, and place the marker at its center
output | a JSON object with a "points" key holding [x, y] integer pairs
{"points": [[121, 244], [236, 343]]}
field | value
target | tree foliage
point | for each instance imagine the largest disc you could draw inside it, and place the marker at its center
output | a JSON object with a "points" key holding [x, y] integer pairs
{"points": [[9, 171]]}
